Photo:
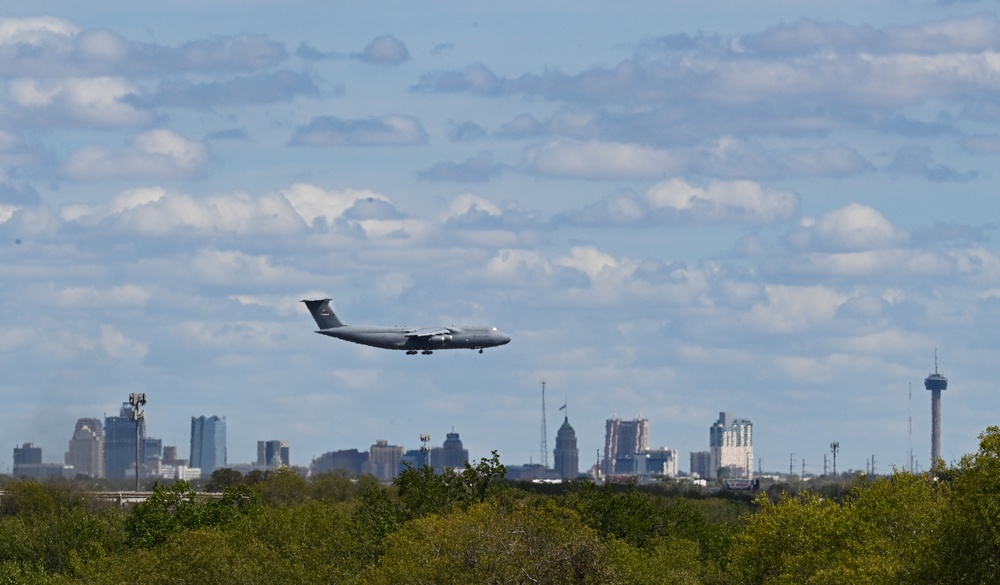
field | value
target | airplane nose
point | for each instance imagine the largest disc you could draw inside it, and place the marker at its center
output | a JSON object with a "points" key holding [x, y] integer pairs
{"points": [[504, 339]]}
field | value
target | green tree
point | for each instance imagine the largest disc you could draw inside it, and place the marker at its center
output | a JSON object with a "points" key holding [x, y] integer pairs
{"points": [[424, 492], [882, 533], [283, 487], [969, 548], [223, 478], [492, 543]]}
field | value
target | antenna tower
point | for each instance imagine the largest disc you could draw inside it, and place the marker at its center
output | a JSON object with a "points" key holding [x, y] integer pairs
{"points": [[909, 427], [544, 459]]}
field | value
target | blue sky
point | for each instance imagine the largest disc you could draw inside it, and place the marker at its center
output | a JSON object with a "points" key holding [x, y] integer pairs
{"points": [[778, 211]]}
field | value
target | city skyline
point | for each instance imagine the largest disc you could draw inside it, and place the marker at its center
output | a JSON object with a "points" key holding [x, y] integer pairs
{"points": [[773, 209], [730, 444]]}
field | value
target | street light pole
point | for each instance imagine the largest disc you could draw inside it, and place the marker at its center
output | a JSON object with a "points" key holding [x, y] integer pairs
{"points": [[137, 399]]}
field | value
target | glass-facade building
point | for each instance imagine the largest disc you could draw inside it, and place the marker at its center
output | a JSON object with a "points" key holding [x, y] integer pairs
{"points": [[208, 443]]}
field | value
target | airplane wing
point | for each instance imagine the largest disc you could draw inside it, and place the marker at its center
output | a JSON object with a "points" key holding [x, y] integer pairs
{"points": [[429, 332]]}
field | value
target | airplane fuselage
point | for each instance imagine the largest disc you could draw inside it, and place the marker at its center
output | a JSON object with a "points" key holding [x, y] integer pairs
{"points": [[403, 338], [409, 339]]}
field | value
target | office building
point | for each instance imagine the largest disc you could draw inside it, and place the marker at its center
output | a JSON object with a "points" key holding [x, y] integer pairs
{"points": [[731, 447], [383, 460], [119, 443], [27, 454], [701, 463], [350, 460], [86, 449], [566, 454], [208, 443], [622, 440], [28, 463], [662, 461], [273, 454], [451, 455]]}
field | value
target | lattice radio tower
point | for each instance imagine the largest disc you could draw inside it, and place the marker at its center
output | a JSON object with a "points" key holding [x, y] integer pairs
{"points": [[544, 459]]}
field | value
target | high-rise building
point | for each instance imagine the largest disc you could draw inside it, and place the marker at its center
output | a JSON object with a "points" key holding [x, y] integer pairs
{"points": [[27, 454], [731, 447], [622, 440], [208, 443], [566, 454], [450, 455], [274, 453], [350, 460], [383, 460], [119, 443], [28, 463], [662, 461], [86, 448], [701, 464]]}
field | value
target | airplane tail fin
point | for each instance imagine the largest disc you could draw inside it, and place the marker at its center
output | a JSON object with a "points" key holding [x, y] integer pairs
{"points": [[324, 315]]}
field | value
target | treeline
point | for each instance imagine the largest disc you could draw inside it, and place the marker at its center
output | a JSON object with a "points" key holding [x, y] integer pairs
{"points": [[474, 527]]}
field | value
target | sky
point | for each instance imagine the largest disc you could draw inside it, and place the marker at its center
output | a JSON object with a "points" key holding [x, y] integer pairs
{"points": [[779, 210]]}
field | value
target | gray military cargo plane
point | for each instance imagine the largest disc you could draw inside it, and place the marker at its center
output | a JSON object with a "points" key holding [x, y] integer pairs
{"points": [[410, 339]]}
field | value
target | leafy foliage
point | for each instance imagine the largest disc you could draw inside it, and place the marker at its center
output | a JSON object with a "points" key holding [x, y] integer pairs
{"points": [[473, 526]]}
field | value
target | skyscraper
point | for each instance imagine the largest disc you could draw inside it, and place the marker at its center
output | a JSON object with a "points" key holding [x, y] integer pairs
{"points": [[208, 443], [86, 448], [27, 454], [119, 443], [274, 453], [451, 454], [383, 460], [567, 456], [731, 447], [622, 440]]}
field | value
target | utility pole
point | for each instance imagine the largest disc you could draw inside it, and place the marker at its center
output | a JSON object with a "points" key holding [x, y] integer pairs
{"points": [[137, 400]]}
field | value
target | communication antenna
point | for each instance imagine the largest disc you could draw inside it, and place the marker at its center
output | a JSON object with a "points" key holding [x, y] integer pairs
{"points": [[424, 439], [137, 400], [909, 423], [835, 446], [544, 459]]}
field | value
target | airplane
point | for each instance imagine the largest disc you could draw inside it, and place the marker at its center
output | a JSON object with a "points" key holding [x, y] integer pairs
{"points": [[411, 339]]}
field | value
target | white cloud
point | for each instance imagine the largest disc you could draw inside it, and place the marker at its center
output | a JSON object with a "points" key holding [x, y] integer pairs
{"points": [[385, 50], [116, 345], [600, 160], [725, 201], [35, 31], [220, 267], [128, 295], [311, 202], [855, 227], [795, 309], [7, 212], [157, 154], [388, 130], [515, 266], [589, 260], [467, 203], [82, 101]]}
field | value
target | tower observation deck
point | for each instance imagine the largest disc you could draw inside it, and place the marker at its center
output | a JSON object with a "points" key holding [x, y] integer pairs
{"points": [[935, 383]]}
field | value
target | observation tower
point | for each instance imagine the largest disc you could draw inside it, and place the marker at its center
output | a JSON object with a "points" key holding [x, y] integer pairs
{"points": [[935, 383]]}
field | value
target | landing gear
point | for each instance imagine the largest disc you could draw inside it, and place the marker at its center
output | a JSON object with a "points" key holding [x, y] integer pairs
{"points": [[480, 351], [427, 352], [411, 352]]}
